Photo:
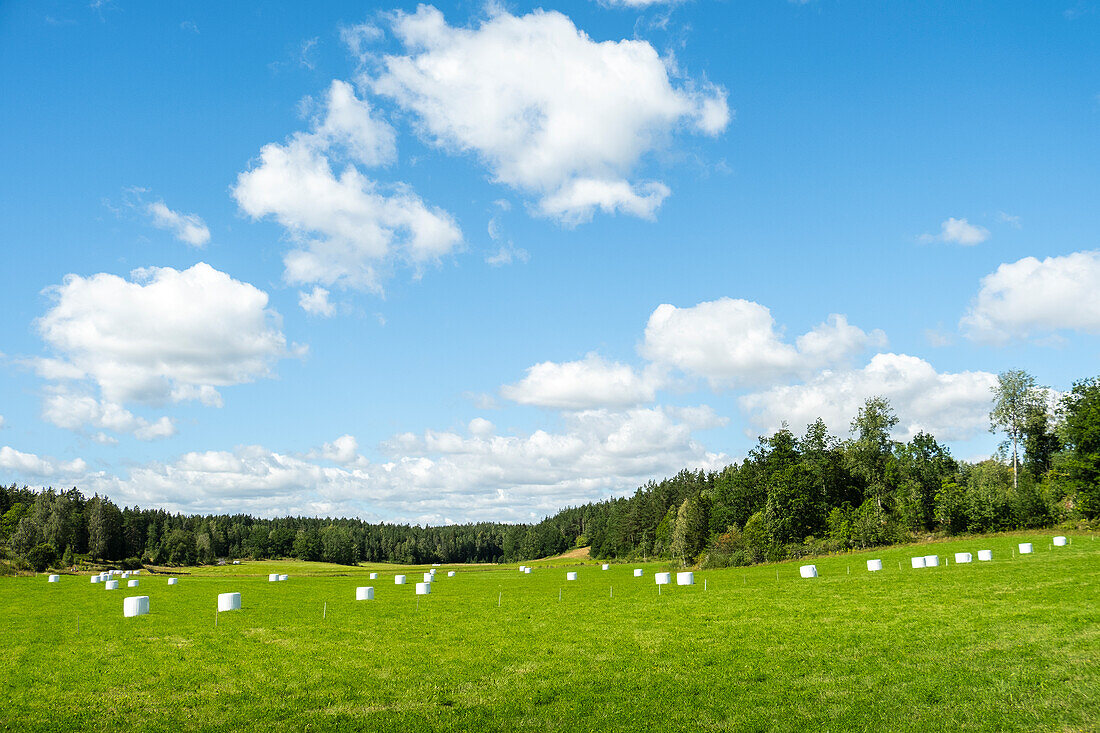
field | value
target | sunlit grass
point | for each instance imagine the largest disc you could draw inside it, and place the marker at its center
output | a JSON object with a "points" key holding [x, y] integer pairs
{"points": [[1008, 645]]}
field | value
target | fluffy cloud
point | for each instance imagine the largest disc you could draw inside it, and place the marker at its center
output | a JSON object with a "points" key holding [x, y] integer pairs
{"points": [[1032, 296], [579, 385], [29, 464], [163, 336], [189, 228], [347, 226], [74, 411], [958, 231], [950, 406], [735, 342], [316, 302], [434, 477], [550, 111]]}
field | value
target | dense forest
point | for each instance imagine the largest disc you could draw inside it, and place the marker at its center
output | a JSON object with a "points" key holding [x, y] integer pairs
{"points": [[793, 495]]}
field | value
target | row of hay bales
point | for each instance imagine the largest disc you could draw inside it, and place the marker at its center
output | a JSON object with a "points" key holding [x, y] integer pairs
{"points": [[932, 561]]}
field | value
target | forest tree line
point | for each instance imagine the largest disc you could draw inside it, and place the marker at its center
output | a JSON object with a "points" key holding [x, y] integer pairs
{"points": [[793, 495]]}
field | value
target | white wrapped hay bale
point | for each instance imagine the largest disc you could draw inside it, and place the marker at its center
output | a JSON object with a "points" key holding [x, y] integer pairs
{"points": [[173, 581], [662, 578], [364, 593], [54, 579], [374, 576], [522, 568], [963, 557], [111, 585], [272, 577], [432, 571], [423, 589], [638, 572], [571, 576], [918, 562], [428, 577], [685, 578], [236, 562], [136, 572], [229, 602], [985, 555], [96, 579], [606, 566], [808, 571], [1059, 541], [1025, 548], [135, 606], [527, 571], [450, 573], [125, 576], [874, 565], [283, 577], [399, 580], [931, 561], [132, 583]]}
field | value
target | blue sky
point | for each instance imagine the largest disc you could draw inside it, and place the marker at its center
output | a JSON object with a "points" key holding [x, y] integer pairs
{"points": [[467, 261]]}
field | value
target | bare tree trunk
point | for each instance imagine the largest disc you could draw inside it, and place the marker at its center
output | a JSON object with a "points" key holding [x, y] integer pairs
{"points": [[1014, 484]]}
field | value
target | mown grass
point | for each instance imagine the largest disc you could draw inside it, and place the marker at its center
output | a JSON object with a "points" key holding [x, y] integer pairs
{"points": [[1008, 645]]}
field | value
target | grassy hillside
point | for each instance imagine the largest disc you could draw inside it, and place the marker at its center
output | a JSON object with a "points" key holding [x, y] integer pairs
{"points": [[1008, 645]]}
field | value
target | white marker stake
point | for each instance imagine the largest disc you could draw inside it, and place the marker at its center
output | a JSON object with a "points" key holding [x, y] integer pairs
{"points": [[612, 591], [498, 598], [704, 583], [324, 614]]}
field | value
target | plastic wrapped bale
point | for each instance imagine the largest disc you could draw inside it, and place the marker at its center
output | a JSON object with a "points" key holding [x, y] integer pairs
{"points": [[963, 557], [135, 606], [527, 571], [236, 562], [522, 568], [111, 585], [685, 578], [985, 555], [1025, 548], [374, 576], [432, 571], [931, 561], [423, 589], [428, 577], [272, 577], [364, 593], [808, 571], [874, 565], [96, 579], [136, 573], [229, 602], [638, 572], [571, 576], [662, 578], [132, 583], [450, 573], [606, 566], [173, 581], [54, 579], [918, 562], [399, 580], [1059, 541], [283, 577], [125, 576]]}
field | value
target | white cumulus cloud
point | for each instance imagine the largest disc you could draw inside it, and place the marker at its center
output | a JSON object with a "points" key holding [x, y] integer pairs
{"points": [[29, 464], [316, 302], [74, 411], [188, 228], [550, 111], [949, 406], [958, 231], [578, 385], [1031, 297]]}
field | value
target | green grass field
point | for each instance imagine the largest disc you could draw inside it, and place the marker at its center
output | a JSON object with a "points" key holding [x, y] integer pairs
{"points": [[1008, 645]]}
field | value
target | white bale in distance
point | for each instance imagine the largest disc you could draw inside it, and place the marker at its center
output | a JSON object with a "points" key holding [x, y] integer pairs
{"points": [[236, 562], [985, 555], [571, 576], [1059, 541], [132, 583], [135, 606], [428, 577], [931, 561], [229, 602], [522, 568], [527, 571], [423, 589], [399, 580], [961, 557], [97, 579], [1025, 548], [111, 585], [638, 572], [432, 571], [685, 578], [435, 565], [374, 576], [125, 576], [873, 565], [272, 577], [606, 566], [662, 578], [283, 577], [173, 581], [54, 579], [450, 573], [808, 571], [136, 572], [364, 593], [918, 562]]}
